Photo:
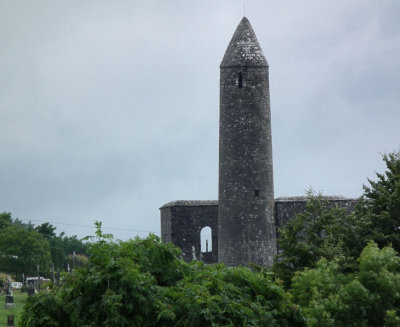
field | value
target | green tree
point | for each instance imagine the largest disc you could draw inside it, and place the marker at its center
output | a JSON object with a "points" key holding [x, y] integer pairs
{"points": [[73, 244], [56, 244], [57, 252], [5, 220], [333, 233], [19, 223], [22, 250], [47, 230], [379, 209], [368, 297], [321, 231]]}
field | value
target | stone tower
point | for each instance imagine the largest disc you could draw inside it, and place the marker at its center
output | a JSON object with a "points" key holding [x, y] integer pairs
{"points": [[243, 221], [246, 227]]}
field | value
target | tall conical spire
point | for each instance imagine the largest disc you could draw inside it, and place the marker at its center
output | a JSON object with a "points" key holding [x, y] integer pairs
{"points": [[244, 49]]}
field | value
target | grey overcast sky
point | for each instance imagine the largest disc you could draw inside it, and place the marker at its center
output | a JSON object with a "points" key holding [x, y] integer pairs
{"points": [[109, 109]]}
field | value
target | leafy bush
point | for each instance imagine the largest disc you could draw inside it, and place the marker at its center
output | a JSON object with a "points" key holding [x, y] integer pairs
{"points": [[221, 296], [368, 297], [143, 282]]}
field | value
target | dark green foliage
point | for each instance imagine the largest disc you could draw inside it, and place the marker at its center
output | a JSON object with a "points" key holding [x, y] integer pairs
{"points": [[320, 232], [143, 282], [379, 208], [19, 223], [56, 244], [24, 246], [21, 250], [368, 297], [332, 233], [57, 252], [109, 291], [220, 296], [160, 260], [61, 246], [47, 230], [73, 244], [320, 248], [5, 220], [43, 302]]}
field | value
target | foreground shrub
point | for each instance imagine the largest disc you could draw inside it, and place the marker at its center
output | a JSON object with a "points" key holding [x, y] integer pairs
{"points": [[368, 297], [143, 282]]}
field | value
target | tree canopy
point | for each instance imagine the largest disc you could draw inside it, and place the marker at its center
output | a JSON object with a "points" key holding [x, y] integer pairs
{"points": [[323, 231], [21, 250], [368, 297], [5, 220], [379, 208], [23, 247]]}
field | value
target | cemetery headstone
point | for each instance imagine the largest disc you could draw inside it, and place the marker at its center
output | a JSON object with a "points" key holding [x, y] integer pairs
{"points": [[10, 320], [9, 295], [8, 286], [31, 289]]}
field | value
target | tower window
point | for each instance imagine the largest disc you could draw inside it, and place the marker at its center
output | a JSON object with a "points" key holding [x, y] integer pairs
{"points": [[256, 193], [240, 80]]}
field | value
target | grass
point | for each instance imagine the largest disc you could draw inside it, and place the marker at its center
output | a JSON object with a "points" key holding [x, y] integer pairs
{"points": [[19, 300]]}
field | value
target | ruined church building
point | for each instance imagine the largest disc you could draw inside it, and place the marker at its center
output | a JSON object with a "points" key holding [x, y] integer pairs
{"points": [[244, 220]]}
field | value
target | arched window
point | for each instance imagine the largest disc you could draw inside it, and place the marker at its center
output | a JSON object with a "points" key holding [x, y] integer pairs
{"points": [[240, 80], [206, 239]]}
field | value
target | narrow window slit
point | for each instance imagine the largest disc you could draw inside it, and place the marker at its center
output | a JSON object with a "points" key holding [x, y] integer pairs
{"points": [[256, 193], [240, 80]]}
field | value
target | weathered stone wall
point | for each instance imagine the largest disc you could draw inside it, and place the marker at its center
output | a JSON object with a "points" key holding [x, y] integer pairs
{"points": [[182, 222]]}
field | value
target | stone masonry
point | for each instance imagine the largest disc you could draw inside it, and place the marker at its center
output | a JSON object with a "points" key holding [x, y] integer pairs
{"points": [[246, 230], [245, 219]]}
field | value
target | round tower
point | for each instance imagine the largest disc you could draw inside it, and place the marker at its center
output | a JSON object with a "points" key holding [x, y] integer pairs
{"points": [[246, 227]]}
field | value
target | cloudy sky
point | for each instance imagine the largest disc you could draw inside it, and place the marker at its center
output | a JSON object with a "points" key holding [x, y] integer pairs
{"points": [[109, 109]]}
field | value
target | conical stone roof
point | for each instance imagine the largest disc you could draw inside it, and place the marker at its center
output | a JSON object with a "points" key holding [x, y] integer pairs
{"points": [[244, 49]]}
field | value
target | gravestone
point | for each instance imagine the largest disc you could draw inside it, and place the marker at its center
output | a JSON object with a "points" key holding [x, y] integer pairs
{"points": [[9, 302], [31, 289], [8, 286], [9, 295], [10, 320]]}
